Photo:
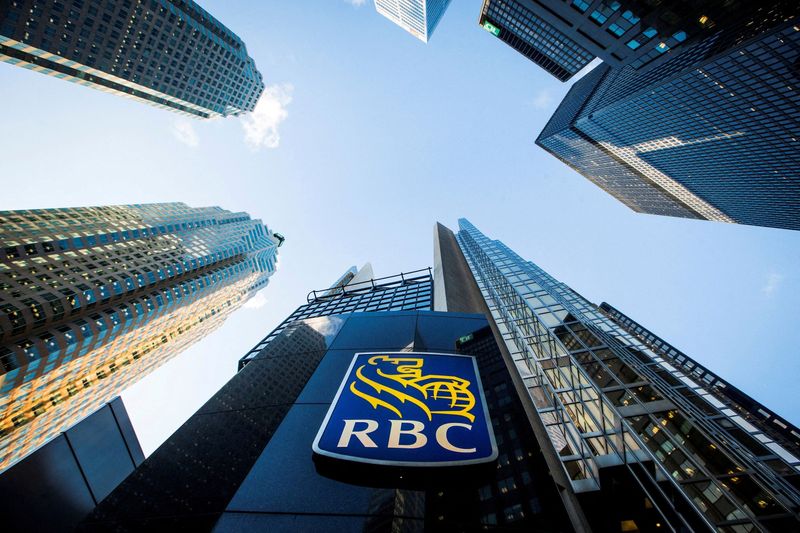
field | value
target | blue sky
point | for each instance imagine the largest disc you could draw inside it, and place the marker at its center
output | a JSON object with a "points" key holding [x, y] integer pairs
{"points": [[365, 139]]}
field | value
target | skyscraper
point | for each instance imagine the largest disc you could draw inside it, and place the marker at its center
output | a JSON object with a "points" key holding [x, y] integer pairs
{"points": [[257, 431], [522, 27], [621, 407], [168, 53], [92, 299], [563, 36], [417, 17], [600, 424], [713, 133], [358, 291]]}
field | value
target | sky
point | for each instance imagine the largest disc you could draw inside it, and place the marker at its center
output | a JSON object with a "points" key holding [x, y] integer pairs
{"points": [[366, 137]]}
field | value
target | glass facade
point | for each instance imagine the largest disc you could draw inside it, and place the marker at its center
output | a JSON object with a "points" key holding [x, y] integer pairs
{"points": [[168, 53], [244, 460], [417, 17], [92, 299], [521, 26], [563, 36], [777, 427], [614, 396], [713, 133], [394, 293]]}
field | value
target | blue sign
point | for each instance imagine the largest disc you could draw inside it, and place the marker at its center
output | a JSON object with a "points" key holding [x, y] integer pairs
{"points": [[409, 409]]}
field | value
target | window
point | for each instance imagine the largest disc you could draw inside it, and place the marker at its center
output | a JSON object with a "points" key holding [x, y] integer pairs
{"points": [[580, 5], [630, 17]]}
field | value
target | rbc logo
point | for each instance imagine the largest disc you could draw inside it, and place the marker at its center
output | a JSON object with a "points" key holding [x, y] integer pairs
{"points": [[409, 409]]}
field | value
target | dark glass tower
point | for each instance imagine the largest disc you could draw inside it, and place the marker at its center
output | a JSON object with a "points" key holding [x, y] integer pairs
{"points": [[712, 133], [527, 30], [357, 291], [563, 36], [600, 424], [168, 53], [243, 461]]}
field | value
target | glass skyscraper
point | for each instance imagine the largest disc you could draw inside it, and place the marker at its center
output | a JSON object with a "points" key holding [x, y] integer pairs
{"points": [[620, 406], [563, 36], [600, 424], [92, 299], [358, 291], [417, 17], [244, 462], [168, 53], [713, 133], [522, 27]]}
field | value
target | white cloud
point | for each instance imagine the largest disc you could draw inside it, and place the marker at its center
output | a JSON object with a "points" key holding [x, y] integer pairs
{"points": [[357, 3], [183, 130], [542, 99], [773, 282], [261, 126], [256, 302]]}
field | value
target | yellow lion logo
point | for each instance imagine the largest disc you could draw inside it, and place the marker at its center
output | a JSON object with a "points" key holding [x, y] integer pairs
{"points": [[433, 394]]}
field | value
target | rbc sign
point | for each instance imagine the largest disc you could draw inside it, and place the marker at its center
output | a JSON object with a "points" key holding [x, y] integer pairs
{"points": [[409, 409]]}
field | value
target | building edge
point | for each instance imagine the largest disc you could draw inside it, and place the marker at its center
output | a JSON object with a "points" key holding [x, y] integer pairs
{"points": [[451, 268]]}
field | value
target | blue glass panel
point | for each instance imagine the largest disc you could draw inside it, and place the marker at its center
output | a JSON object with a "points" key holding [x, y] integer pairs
{"points": [[630, 17], [598, 17], [440, 333], [378, 331], [616, 30], [580, 5]]}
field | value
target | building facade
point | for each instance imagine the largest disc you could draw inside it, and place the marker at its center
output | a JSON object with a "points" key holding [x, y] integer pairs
{"points": [[622, 407], [563, 36], [711, 133], [254, 437], [92, 299], [56, 486], [417, 17], [358, 291], [523, 27], [600, 425], [167, 53]]}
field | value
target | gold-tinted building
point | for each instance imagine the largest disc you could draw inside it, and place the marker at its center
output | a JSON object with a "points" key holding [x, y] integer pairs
{"points": [[92, 299]]}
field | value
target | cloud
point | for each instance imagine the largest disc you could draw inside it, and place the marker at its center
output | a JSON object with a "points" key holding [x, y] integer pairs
{"points": [[261, 126], [357, 3], [542, 99], [256, 302], [772, 283], [183, 130]]}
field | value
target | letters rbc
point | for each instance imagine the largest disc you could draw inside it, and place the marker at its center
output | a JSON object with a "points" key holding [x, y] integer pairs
{"points": [[412, 429]]}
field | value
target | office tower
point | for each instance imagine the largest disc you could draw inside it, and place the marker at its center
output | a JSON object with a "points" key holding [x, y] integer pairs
{"points": [[168, 53], [92, 299], [358, 291], [712, 134], [244, 460], [563, 36], [600, 425], [622, 410], [417, 17], [56, 486]]}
